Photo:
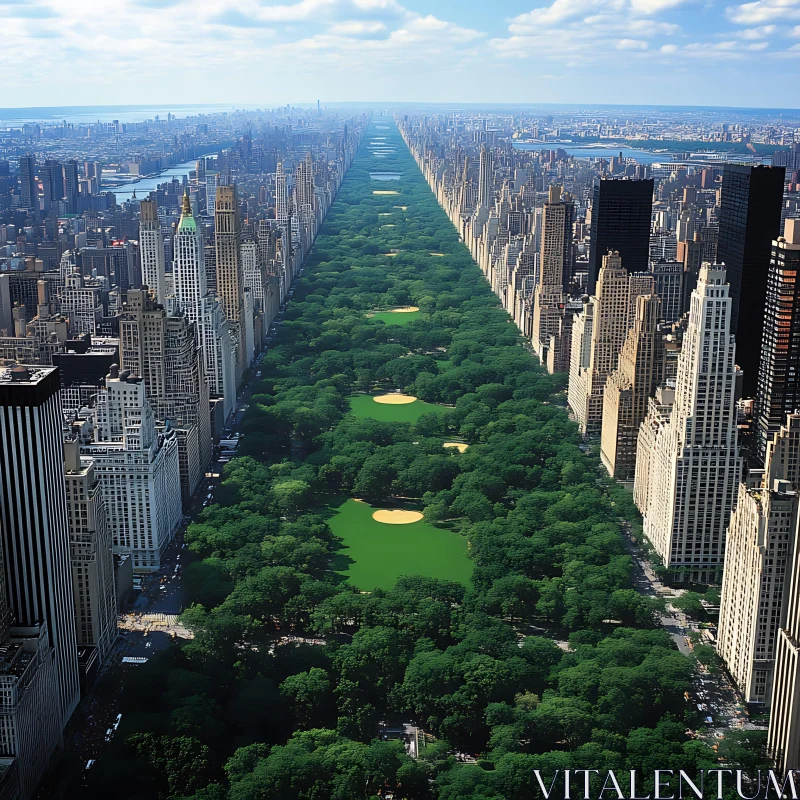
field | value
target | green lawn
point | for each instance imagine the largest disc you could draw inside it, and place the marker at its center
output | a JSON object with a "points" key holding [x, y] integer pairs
{"points": [[381, 553], [363, 406], [396, 317]]}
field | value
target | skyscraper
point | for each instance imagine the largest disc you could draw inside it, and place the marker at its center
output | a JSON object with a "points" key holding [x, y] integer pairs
{"points": [[621, 211], [695, 466], [485, 178], [163, 349], [52, 176], [778, 391], [548, 296], [628, 389], [203, 308], [29, 192], [93, 586], [151, 249], [227, 235], [758, 558], [750, 219], [593, 361], [71, 185], [281, 196], [34, 527], [137, 467]]}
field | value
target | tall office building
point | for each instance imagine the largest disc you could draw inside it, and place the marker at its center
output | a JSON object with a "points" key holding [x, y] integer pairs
{"points": [[151, 249], [695, 466], [778, 390], [34, 527], [52, 176], [304, 186], [227, 235], [621, 212], [485, 178], [750, 219], [164, 351], [202, 308], [212, 182], [29, 191], [629, 387], [595, 350], [758, 559], [71, 185], [281, 196], [137, 466], [93, 587], [548, 298]]}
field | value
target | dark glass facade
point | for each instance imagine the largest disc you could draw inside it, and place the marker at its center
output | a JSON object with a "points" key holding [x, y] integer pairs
{"points": [[750, 218], [621, 214], [778, 392]]}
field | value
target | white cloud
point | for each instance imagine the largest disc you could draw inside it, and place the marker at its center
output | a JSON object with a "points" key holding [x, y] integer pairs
{"points": [[631, 44], [763, 11]]}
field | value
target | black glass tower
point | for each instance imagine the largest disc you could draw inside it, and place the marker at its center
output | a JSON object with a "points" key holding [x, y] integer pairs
{"points": [[621, 213], [778, 392], [750, 218]]}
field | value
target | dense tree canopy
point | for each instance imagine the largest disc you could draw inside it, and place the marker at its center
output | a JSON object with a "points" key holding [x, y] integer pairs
{"points": [[548, 659]]}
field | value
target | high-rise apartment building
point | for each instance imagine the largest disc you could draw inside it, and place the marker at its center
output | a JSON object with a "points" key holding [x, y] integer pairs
{"points": [[151, 249], [29, 191], [778, 390], [750, 219], [253, 272], [594, 360], [163, 350], [629, 388], [93, 587], [758, 559], [227, 236], [34, 527], [548, 298], [281, 196], [621, 212], [485, 178], [137, 466], [694, 467]]}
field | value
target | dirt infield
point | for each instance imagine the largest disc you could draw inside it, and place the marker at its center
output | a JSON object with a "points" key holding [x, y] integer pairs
{"points": [[395, 399]]}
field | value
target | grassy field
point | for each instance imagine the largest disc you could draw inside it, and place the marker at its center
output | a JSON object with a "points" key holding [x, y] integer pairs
{"points": [[396, 317], [381, 553], [363, 406]]}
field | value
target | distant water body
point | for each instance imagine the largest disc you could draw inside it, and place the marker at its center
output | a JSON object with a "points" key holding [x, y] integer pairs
{"points": [[642, 156], [143, 187], [89, 114]]}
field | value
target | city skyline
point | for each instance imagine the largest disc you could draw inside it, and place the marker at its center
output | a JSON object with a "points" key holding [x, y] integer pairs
{"points": [[364, 50]]}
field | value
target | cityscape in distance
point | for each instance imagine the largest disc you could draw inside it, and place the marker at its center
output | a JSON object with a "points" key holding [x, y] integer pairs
{"points": [[436, 439]]}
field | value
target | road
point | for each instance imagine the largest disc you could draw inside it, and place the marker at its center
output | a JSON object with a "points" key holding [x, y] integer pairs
{"points": [[712, 692]]}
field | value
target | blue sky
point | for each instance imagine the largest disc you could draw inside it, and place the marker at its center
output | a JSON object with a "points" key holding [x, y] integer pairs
{"points": [[59, 52]]}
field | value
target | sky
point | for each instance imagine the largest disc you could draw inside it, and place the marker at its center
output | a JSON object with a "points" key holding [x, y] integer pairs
{"points": [[673, 52]]}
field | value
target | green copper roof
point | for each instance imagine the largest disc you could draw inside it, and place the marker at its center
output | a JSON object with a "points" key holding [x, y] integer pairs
{"points": [[187, 221]]}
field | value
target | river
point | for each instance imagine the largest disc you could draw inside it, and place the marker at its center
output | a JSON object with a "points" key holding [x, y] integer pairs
{"points": [[125, 191], [642, 156]]}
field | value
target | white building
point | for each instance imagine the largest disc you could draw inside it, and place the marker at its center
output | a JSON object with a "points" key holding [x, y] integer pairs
{"points": [[758, 559], [138, 469], [93, 586], [151, 249], [695, 466]]}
